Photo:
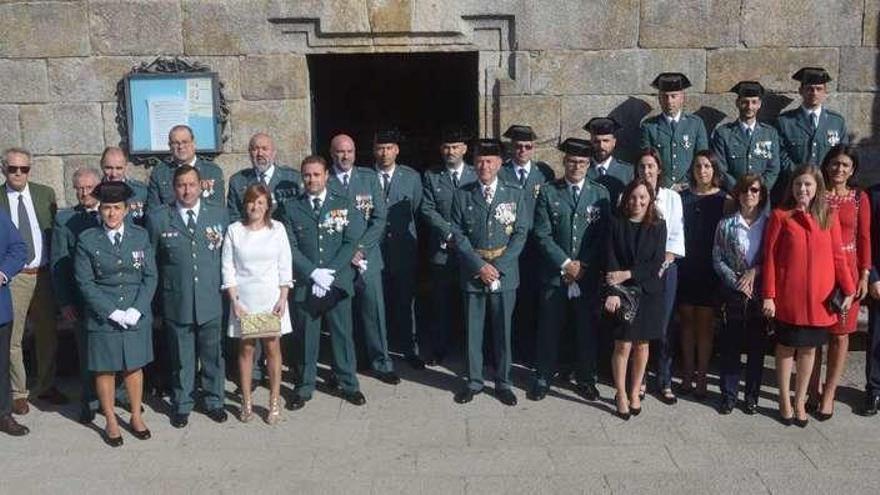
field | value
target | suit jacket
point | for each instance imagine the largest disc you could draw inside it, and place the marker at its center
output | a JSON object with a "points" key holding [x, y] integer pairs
{"points": [[161, 189], [366, 193], [137, 204], [316, 241], [677, 148], [477, 226], [189, 263], [404, 199], [619, 174], [45, 206], [565, 230], [738, 154], [540, 174], [436, 210], [69, 224], [13, 252], [285, 184], [801, 144], [115, 277]]}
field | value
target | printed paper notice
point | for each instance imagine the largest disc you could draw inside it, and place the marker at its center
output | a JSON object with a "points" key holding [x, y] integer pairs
{"points": [[165, 113], [200, 96]]}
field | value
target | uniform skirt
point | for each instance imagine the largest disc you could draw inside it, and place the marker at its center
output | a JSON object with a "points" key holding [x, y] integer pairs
{"points": [[121, 350]]}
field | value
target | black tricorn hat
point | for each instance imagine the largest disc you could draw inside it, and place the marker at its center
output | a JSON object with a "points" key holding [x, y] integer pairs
{"points": [[576, 147], [520, 133], [811, 75], [601, 126], [387, 135], [112, 192], [671, 81], [454, 135], [487, 147], [747, 89]]}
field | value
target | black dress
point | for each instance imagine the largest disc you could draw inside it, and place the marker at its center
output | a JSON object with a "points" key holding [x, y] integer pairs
{"points": [[640, 248], [698, 284]]}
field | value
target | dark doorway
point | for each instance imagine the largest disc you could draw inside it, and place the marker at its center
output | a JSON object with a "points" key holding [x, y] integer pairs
{"points": [[418, 93]]}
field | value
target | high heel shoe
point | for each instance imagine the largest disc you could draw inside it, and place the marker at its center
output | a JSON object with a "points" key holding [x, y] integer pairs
{"points": [[274, 411], [624, 415], [635, 411], [113, 441], [247, 411]]}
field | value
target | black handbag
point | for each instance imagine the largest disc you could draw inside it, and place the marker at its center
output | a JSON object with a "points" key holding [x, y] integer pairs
{"points": [[834, 303], [629, 302]]}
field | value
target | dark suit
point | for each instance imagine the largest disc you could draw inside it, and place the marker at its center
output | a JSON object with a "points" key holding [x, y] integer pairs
{"points": [[12, 258], [872, 358], [285, 185], [676, 146], [161, 189], [617, 176]]}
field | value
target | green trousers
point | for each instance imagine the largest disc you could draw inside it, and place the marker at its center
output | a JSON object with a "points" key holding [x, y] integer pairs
{"points": [[338, 322], [369, 319], [498, 307], [195, 349], [557, 312]]}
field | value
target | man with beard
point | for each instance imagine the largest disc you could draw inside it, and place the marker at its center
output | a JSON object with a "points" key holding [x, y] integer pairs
{"points": [[283, 182], [604, 168]]}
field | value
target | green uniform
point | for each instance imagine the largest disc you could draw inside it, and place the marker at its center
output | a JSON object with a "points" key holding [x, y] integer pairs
{"points": [[740, 153], [116, 277], [445, 296], [369, 300], [137, 203], [285, 184], [191, 301], [526, 311], [676, 146], [614, 178], [566, 228], [324, 239], [489, 233], [403, 197], [161, 189]]}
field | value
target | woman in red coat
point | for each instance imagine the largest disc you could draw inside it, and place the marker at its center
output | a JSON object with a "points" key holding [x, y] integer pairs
{"points": [[803, 261], [854, 215]]}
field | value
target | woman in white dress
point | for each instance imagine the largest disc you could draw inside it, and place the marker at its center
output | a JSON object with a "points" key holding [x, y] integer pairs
{"points": [[257, 274]]}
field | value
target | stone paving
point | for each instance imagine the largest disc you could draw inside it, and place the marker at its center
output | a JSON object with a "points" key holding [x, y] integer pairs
{"points": [[412, 439]]}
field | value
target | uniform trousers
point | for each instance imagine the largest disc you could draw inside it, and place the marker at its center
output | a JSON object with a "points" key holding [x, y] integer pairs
{"points": [[557, 314], [338, 322], [32, 295], [369, 320], [400, 289], [498, 306], [444, 309], [196, 350]]}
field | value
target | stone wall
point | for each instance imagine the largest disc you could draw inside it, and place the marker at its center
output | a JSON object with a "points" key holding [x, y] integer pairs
{"points": [[550, 63]]}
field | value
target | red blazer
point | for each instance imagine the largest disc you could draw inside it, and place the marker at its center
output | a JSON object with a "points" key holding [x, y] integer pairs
{"points": [[802, 262]]}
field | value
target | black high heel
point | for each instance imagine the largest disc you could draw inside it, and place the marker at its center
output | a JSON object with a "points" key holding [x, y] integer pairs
{"points": [[622, 415]]}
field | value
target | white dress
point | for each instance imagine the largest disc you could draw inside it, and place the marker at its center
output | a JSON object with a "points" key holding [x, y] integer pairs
{"points": [[258, 263]]}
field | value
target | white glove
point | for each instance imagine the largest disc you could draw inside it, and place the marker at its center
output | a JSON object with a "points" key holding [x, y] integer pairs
{"points": [[323, 277], [118, 316], [574, 290], [362, 266], [318, 291], [132, 316], [495, 285]]}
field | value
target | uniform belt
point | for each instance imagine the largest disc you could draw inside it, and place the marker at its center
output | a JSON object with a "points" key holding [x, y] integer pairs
{"points": [[34, 271], [491, 254]]}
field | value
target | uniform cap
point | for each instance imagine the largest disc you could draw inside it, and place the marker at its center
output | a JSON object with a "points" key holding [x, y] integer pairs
{"points": [[520, 133], [748, 89], [811, 75], [671, 81], [487, 147], [454, 135], [601, 126], [112, 192], [576, 147], [386, 136]]}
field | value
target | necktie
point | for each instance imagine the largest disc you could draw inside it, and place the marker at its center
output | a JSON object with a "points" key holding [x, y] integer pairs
{"points": [[191, 221], [574, 194], [602, 171], [386, 183], [455, 179], [263, 178], [673, 124], [749, 132], [316, 204], [522, 177], [24, 228], [814, 117], [345, 181], [487, 194], [117, 239]]}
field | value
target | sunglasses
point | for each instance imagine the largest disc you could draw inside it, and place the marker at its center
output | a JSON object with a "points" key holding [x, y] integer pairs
{"points": [[11, 169], [753, 190], [524, 146]]}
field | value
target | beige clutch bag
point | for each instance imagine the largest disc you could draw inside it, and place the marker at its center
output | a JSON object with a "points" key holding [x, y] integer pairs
{"points": [[256, 325]]}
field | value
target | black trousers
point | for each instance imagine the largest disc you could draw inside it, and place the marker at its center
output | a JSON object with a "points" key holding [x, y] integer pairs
{"points": [[5, 385], [872, 354]]}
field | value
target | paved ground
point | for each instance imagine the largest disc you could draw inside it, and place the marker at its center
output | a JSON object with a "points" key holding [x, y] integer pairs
{"points": [[413, 439]]}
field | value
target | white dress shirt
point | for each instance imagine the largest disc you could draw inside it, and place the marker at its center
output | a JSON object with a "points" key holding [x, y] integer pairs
{"points": [[12, 195], [111, 233], [267, 175], [321, 196], [341, 174], [672, 118], [603, 166], [527, 168], [668, 204], [182, 211]]}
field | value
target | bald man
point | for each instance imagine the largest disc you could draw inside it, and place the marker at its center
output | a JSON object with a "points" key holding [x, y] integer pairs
{"points": [[283, 182], [114, 165]]}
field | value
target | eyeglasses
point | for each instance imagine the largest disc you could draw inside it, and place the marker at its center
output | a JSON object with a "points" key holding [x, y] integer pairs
{"points": [[524, 146], [753, 190], [12, 169]]}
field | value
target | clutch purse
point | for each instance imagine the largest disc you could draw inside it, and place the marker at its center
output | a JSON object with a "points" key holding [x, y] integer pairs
{"points": [[629, 302], [835, 301], [257, 325]]}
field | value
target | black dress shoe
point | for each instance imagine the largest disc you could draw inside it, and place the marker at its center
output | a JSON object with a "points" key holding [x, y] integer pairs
{"points": [[872, 403], [435, 360], [179, 420], [725, 408], [218, 415], [536, 393], [415, 362], [820, 416], [331, 381], [388, 377], [86, 415], [142, 435], [506, 397], [113, 441], [588, 391], [786, 421], [623, 415], [355, 398], [465, 395], [296, 403], [10, 426], [800, 423], [750, 407]]}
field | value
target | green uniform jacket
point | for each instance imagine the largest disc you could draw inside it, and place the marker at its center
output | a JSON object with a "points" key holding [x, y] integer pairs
{"points": [[800, 144], [161, 189], [739, 155], [45, 206], [69, 224], [189, 264], [436, 208], [476, 226], [540, 174], [565, 230], [676, 149], [366, 194], [619, 174], [111, 278], [317, 242], [400, 245], [285, 184], [137, 204]]}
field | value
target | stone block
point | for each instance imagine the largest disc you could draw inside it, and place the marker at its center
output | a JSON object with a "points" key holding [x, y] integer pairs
{"points": [[287, 121], [390, 16], [335, 16], [437, 16], [870, 25], [792, 23], [772, 67], [689, 23], [68, 128], [628, 111], [23, 81], [540, 112], [228, 69], [584, 25], [111, 130], [71, 164], [862, 114], [623, 72], [232, 163], [232, 27], [274, 77], [49, 171], [10, 133], [136, 27], [859, 69], [44, 29], [88, 79]]}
